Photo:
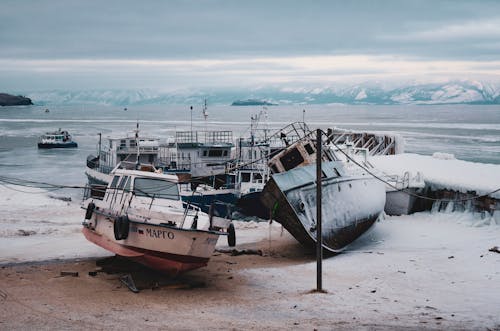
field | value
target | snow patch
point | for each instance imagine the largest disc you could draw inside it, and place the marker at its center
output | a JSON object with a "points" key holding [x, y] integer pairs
{"points": [[443, 156]]}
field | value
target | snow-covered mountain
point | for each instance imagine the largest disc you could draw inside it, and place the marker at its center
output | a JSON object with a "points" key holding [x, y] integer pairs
{"points": [[456, 92]]}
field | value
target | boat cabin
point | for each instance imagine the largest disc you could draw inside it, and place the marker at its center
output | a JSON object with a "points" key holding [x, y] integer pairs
{"points": [[125, 149], [203, 153]]}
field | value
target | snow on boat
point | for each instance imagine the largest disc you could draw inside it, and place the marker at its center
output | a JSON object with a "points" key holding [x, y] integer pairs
{"points": [[56, 139], [142, 217], [352, 199]]}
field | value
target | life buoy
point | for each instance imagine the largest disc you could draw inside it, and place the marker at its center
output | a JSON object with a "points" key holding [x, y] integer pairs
{"points": [[231, 235], [121, 227], [90, 210], [124, 227], [116, 228]]}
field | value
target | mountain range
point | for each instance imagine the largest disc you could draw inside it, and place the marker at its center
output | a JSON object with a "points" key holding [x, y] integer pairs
{"points": [[455, 92]]}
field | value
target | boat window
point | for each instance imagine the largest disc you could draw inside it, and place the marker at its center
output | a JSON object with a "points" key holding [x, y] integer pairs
{"points": [[122, 182], [156, 188], [291, 159], [309, 149], [224, 153], [204, 153], [215, 152], [123, 143], [245, 177], [127, 186], [257, 178], [114, 182]]}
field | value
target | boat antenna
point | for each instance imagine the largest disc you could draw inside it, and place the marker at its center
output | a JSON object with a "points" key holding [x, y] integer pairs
{"points": [[205, 113], [191, 132], [303, 115], [137, 144], [99, 149]]}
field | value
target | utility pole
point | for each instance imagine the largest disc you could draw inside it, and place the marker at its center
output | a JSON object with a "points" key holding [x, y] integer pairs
{"points": [[319, 235]]}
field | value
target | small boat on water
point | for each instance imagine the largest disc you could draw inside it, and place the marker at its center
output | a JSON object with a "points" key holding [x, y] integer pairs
{"points": [[352, 199], [56, 139], [141, 216]]}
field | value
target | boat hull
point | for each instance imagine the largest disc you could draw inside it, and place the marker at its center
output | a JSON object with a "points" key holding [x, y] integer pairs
{"points": [[170, 264], [220, 200], [399, 202], [58, 145], [351, 205], [169, 250], [96, 177], [250, 204]]}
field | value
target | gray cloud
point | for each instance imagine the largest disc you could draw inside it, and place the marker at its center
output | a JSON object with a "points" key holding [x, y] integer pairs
{"points": [[200, 29], [235, 30]]}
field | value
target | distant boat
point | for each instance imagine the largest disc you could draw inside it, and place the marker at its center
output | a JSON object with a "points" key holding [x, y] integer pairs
{"points": [[57, 139], [47, 110]]}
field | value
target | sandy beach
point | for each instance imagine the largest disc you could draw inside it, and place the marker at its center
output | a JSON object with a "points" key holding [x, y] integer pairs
{"points": [[412, 272]]}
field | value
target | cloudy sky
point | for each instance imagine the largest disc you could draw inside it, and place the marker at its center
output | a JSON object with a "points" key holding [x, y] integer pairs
{"points": [[171, 45]]}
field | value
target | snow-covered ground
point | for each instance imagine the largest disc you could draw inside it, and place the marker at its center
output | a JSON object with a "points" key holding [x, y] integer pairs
{"points": [[434, 267]]}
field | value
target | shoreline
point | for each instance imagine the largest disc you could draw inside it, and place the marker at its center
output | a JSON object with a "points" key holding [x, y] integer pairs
{"points": [[411, 272]]}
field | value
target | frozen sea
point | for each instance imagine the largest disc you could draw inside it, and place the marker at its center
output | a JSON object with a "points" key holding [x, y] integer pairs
{"points": [[469, 132]]}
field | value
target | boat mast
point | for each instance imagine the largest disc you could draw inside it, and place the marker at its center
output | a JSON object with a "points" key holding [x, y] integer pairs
{"points": [[205, 113], [137, 145], [99, 146]]}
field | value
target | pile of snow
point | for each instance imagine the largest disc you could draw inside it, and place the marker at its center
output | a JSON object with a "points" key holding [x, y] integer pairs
{"points": [[444, 172]]}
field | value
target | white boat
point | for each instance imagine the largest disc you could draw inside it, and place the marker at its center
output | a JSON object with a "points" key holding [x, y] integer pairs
{"points": [[142, 217], [352, 199], [142, 150], [402, 192], [56, 139]]}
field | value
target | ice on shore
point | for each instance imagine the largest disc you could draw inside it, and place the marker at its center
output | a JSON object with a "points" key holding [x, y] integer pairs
{"points": [[432, 263], [37, 227], [442, 171]]}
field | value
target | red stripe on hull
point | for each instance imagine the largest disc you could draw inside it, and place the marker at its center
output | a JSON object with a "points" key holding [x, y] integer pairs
{"points": [[170, 264]]}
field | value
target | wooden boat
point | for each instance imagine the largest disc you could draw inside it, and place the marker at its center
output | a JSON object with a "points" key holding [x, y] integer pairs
{"points": [[141, 216]]}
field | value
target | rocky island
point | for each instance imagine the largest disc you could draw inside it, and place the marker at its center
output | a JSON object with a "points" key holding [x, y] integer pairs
{"points": [[14, 100], [252, 102]]}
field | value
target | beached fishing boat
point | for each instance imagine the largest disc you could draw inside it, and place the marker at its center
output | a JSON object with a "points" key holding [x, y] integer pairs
{"points": [[141, 217], [56, 139], [352, 199]]}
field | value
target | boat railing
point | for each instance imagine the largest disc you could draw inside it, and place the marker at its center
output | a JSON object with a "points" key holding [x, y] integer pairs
{"points": [[407, 180], [133, 149], [204, 137], [290, 134], [375, 143], [105, 169]]}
